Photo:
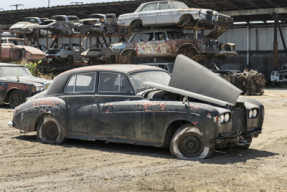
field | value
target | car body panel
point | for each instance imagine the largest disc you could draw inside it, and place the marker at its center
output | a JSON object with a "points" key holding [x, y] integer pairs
{"points": [[65, 50], [279, 76]]}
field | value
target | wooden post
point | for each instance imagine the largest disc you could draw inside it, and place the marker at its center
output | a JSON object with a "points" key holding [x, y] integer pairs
{"points": [[80, 39]]}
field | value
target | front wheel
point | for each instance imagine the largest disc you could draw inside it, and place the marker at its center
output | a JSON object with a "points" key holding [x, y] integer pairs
{"points": [[187, 143], [15, 99], [50, 131]]}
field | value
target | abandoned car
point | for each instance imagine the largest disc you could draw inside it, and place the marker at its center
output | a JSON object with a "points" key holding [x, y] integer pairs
{"points": [[170, 43], [27, 26], [166, 66], [67, 53], [60, 24], [17, 83], [14, 49], [143, 105], [165, 13], [279, 76]]}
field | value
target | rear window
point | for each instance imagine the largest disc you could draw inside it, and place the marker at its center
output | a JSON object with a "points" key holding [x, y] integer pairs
{"points": [[81, 83]]}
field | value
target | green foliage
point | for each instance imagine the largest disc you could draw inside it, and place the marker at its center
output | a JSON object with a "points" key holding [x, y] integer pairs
{"points": [[33, 67]]}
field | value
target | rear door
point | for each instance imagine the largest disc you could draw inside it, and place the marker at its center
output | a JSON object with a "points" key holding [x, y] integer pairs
{"points": [[144, 47]]}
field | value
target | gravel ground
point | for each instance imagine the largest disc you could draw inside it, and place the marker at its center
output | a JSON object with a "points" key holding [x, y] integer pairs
{"points": [[27, 165]]}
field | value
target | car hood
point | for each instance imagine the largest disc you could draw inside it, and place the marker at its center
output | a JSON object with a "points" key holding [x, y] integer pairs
{"points": [[19, 25], [31, 49], [190, 76], [27, 79]]}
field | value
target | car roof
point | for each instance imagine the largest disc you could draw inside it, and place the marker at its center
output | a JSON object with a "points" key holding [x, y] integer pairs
{"points": [[11, 65]]}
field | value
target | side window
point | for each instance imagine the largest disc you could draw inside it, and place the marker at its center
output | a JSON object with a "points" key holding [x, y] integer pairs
{"points": [[136, 37], [149, 7], [81, 83], [146, 37], [160, 36], [163, 6], [114, 83]]}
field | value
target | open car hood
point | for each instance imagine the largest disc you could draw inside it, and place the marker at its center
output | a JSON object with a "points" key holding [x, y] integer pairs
{"points": [[216, 33], [190, 76]]}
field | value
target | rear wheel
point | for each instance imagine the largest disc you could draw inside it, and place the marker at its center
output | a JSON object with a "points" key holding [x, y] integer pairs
{"points": [[50, 131], [70, 60], [187, 143], [15, 99]]}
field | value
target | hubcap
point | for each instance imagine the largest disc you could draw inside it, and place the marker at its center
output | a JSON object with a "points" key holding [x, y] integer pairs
{"points": [[16, 100]]}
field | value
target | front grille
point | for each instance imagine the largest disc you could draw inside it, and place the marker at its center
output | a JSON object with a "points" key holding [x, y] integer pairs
{"points": [[209, 15], [239, 121]]}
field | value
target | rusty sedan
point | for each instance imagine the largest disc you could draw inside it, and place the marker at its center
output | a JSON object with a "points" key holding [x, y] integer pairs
{"points": [[170, 43], [143, 105], [17, 83]]}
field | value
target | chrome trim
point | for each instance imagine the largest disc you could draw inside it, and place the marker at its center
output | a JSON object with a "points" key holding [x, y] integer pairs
{"points": [[10, 124]]}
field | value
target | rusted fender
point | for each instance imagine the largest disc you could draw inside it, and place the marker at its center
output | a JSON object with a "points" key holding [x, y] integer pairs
{"points": [[5, 88], [24, 115]]}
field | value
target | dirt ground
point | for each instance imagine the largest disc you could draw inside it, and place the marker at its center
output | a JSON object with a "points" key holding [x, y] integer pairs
{"points": [[27, 165]]}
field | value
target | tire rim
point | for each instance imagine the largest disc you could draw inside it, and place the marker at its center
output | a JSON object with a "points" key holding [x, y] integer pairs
{"points": [[16, 100], [191, 144], [51, 131]]}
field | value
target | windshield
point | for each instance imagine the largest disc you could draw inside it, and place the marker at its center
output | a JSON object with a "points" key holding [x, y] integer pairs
{"points": [[17, 42], [111, 18], [179, 5], [139, 78], [14, 71]]}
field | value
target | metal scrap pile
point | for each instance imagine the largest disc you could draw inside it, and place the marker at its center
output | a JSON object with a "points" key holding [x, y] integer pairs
{"points": [[250, 82]]}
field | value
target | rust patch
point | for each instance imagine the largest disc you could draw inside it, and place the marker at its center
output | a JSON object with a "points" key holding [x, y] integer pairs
{"points": [[45, 102], [18, 86], [1, 88]]}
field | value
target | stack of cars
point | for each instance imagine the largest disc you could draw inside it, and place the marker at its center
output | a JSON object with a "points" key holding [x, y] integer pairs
{"points": [[164, 29]]}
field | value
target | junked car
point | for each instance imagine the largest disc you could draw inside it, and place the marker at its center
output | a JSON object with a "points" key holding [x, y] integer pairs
{"points": [[166, 66], [170, 43], [279, 76], [60, 24], [143, 105], [27, 26], [17, 83], [15, 49], [67, 53], [166, 13]]}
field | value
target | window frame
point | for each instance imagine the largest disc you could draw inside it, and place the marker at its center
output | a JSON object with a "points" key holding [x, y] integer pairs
{"points": [[163, 3], [149, 4], [111, 92], [74, 89]]}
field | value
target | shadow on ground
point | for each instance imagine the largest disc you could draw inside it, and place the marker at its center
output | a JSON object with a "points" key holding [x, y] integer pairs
{"points": [[223, 156]]}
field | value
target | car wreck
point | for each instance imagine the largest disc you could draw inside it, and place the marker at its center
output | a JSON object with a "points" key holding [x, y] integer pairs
{"points": [[17, 83], [27, 26], [60, 24], [143, 105], [14, 49], [279, 76], [67, 53], [170, 43], [167, 13]]}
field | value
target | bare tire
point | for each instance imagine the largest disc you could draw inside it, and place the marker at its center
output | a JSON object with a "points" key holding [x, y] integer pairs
{"points": [[49, 131], [187, 143], [15, 99]]}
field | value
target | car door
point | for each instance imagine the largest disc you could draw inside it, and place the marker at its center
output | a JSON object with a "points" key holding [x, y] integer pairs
{"points": [[144, 47], [148, 14], [164, 13], [116, 113], [161, 46], [81, 101]]}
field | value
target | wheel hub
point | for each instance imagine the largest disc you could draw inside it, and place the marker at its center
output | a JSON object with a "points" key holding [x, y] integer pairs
{"points": [[191, 144], [52, 131]]}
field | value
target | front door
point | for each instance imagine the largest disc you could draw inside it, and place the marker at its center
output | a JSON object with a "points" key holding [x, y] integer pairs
{"points": [[164, 14], [116, 112]]}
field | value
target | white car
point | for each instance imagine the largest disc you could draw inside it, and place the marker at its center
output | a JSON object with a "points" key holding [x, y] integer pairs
{"points": [[279, 76], [28, 25], [172, 13]]}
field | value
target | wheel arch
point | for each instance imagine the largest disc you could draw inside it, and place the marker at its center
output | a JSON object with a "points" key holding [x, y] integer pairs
{"points": [[171, 129], [136, 20], [6, 98], [185, 15], [187, 44]]}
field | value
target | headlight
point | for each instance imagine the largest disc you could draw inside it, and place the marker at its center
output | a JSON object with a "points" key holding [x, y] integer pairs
{"points": [[250, 114], [34, 88], [222, 118], [42, 88], [254, 113], [226, 117], [37, 89]]}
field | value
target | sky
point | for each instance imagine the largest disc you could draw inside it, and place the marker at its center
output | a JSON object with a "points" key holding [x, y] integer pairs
{"points": [[28, 4]]}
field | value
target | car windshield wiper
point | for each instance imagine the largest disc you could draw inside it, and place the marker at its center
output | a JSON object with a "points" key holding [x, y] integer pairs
{"points": [[142, 89]]}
